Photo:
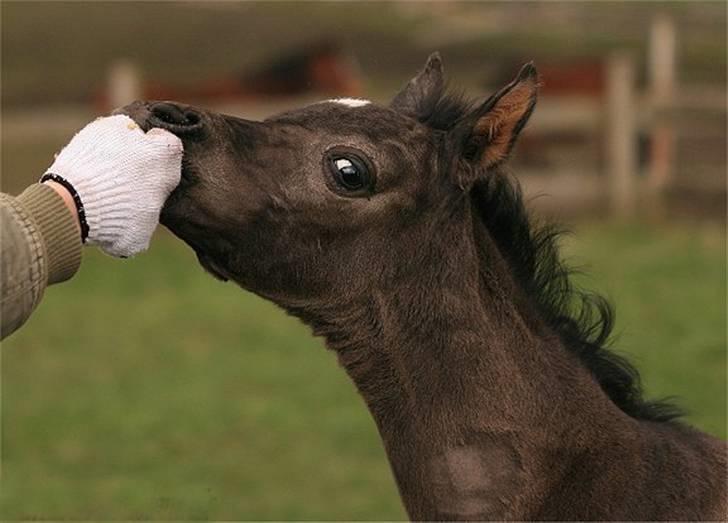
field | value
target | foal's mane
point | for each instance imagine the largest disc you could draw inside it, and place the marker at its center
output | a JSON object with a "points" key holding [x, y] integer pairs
{"points": [[582, 320]]}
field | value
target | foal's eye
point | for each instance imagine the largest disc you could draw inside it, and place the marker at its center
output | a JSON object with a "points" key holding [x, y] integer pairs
{"points": [[350, 173]]}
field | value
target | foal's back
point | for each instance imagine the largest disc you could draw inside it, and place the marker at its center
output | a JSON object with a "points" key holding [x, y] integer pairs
{"points": [[684, 473], [664, 471]]}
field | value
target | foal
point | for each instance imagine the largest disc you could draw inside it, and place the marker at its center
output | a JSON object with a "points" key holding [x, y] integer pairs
{"points": [[392, 232]]}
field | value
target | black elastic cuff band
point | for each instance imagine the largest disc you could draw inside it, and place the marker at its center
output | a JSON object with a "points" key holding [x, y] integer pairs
{"points": [[76, 200]]}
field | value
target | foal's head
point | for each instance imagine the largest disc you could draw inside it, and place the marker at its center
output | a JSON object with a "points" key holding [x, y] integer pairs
{"points": [[339, 196], [328, 204]]}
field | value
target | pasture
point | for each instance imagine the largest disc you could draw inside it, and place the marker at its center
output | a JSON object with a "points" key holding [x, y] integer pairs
{"points": [[145, 389]]}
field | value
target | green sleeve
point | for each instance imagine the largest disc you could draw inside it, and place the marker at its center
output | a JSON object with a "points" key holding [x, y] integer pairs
{"points": [[39, 245]]}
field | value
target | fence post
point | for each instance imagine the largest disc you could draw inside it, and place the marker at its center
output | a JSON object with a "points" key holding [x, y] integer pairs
{"points": [[661, 76], [621, 135], [124, 84]]}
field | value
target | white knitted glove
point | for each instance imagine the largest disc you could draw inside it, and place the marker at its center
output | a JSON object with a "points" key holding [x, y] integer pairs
{"points": [[123, 177]]}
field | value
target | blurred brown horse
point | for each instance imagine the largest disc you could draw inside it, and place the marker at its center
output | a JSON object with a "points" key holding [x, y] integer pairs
{"points": [[393, 232], [322, 67]]}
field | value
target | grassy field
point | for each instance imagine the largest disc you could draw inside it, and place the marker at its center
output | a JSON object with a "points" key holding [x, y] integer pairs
{"points": [[144, 389]]}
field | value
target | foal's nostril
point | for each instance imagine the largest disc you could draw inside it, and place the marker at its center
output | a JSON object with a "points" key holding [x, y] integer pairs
{"points": [[172, 117]]}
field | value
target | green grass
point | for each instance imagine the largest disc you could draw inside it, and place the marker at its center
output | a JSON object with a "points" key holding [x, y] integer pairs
{"points": [[144, 389], [669, 288]]}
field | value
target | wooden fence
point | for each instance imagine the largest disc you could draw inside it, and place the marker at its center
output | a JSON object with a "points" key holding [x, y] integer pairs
{"points": [[619, 116]]}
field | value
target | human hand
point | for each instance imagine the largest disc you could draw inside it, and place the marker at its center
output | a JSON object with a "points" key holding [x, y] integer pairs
{"points": [[122, 176]]}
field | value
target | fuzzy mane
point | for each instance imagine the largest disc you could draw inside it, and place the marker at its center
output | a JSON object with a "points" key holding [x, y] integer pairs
{"points": [[583, 320]]}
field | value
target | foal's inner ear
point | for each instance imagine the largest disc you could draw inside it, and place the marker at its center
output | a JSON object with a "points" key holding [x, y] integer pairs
{"points": [[420, 95], [489, 132]]}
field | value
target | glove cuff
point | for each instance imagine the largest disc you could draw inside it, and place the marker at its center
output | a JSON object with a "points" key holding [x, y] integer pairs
{"points": [[80, 210], [106, 203]]}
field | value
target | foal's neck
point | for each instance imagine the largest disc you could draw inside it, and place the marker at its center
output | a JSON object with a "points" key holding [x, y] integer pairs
{"points": [[471, 394]]}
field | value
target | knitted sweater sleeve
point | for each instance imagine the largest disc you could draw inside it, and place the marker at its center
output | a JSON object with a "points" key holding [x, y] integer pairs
{"points": [[39, 245]]}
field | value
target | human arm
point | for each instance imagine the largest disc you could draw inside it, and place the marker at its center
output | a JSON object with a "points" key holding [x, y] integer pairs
{"points": [[112, 180], [40, 244]]}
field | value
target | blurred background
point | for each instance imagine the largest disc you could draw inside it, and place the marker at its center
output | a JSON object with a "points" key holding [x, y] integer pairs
{"points": [[144, 389]]}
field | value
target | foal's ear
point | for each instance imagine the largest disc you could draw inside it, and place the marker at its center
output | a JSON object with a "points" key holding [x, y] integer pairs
{"points": [[487, 135], [419, 96]]}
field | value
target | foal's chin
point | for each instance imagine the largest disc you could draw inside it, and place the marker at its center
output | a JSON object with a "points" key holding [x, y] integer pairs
{"points": [[209, 264], [178, 216]]}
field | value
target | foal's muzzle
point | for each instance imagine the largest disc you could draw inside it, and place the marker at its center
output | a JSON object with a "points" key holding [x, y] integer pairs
{"points": [[176, 118]]}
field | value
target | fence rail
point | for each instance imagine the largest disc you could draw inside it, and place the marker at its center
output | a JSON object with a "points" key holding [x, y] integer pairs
{"points": [[619, 118]]}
